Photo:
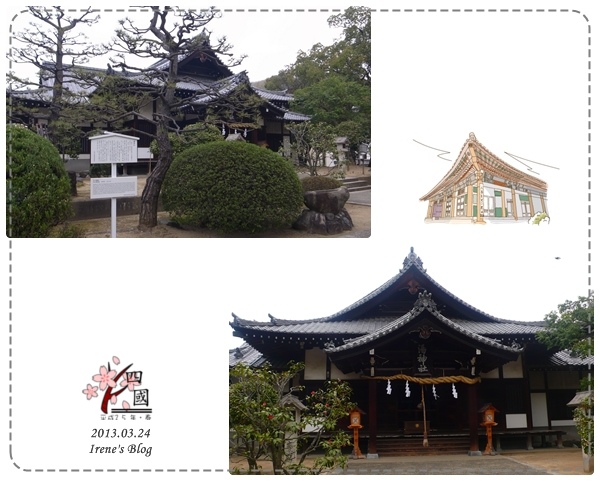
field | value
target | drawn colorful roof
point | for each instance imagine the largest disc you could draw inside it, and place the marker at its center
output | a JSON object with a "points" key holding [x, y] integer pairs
{"points": [[475, 157]]}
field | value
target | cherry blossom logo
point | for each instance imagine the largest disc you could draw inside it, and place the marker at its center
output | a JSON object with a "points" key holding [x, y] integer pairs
{"points": [[115, 384]]}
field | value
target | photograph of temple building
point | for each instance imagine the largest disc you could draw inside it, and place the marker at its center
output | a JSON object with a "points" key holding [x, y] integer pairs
{"points": [[481, 188], [421, 360], [202, 77]]}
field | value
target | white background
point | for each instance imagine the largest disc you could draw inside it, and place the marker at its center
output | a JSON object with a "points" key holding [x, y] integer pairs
{"points": [[519, 81]]}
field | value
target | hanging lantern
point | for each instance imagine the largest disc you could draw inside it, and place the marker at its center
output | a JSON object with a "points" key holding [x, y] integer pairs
{"points": [[407, 389], [388, 389], [454, 393]]}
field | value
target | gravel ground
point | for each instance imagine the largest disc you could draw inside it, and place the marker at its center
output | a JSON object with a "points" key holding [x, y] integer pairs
{"points": [[127, 226]]}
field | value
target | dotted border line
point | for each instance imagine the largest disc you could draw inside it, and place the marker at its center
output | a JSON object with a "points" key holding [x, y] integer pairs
{"points": [[283, 10]]}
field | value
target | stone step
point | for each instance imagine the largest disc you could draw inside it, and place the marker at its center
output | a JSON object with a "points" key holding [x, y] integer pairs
{"points": [[354, 184], [414, 446]]}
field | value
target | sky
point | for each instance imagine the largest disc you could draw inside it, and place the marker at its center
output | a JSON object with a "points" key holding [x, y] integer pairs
{"points": [[518, 80]]}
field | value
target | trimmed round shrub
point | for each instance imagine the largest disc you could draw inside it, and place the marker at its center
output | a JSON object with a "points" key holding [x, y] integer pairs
{"points": [[232, 186], [319, 182], [38, 191]]}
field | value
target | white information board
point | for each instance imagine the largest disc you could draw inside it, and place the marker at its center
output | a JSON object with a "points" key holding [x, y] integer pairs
{"points": [[112, 148], [108, 187]]}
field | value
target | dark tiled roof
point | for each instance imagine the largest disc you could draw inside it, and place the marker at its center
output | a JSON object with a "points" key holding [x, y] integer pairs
{"points": [[424, 303], [246, 354], [501, 328], [365, 326], [296, 117], [356, 327], [411, 261], [216, 89], [273, 95], [565, 358], [202, 41]]}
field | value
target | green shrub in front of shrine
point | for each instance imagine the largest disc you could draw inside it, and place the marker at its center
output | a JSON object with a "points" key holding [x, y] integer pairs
{"points": [[232, 187], [319, 182], [38, 191]]}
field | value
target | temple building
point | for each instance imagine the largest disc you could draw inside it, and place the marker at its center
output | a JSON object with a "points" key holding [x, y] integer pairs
{"points": [[203, 79], [481, 188], [423, 363]]}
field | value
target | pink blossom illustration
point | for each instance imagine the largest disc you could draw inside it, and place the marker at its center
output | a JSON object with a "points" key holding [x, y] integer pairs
{"points": [[90, 391], [109, 395], [129, 383], [105, 378], [126, 405]]}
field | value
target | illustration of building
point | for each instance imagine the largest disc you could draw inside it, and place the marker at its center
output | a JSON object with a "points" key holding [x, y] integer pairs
{"points": [[411, 348], [481, 188]]}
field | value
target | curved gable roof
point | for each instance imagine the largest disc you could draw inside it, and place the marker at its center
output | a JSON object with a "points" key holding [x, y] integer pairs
{"points": [[424, 303], [366, 320], [412, 269], [485, 160]]}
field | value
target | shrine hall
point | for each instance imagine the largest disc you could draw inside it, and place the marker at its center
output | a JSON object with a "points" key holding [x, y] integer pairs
{"points": [[424, 366]]}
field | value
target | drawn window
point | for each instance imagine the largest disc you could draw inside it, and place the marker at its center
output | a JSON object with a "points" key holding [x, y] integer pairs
{"points": [[461, 200], [525, 206], [489, 206]]}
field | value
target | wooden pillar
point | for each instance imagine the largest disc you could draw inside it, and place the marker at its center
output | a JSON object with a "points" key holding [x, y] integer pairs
{"points": [[531, 208], [372, 447], [469, 206], [473, 421], [454, 197], [543, 203]]}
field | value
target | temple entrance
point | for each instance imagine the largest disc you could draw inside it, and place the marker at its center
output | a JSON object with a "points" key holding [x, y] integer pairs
{"points": [[400, 408]]}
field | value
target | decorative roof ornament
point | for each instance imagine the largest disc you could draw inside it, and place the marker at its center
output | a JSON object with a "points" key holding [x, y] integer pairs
{"points": [[426, 331], [411, 259], [413, 286], [425, 301], [472, 136]]}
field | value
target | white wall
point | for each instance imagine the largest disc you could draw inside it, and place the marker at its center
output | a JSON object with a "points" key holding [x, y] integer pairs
{"points": [[315, 364], [539, 409], [513, 369]]}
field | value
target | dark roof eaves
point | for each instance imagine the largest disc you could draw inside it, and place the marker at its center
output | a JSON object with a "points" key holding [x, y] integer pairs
{"points": [[403, 320]]}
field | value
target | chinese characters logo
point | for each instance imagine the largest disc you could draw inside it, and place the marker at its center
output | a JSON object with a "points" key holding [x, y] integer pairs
{"points": [[108, 381]]}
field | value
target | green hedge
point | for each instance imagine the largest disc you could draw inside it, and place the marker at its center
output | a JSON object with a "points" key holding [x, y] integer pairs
{"points": [[319, 182], [232, 186], [38, 191]]}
